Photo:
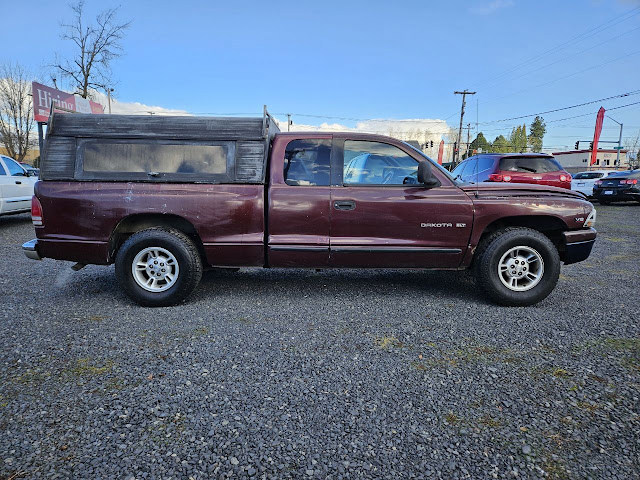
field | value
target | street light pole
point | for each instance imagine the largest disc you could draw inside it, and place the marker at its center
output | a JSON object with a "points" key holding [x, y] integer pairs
{"points": [[619, 142], [109, 90]]}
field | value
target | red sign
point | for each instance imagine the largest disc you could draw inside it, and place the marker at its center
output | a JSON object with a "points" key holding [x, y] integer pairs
{"points": [[596, 135], [43, 96], [440, 151]]}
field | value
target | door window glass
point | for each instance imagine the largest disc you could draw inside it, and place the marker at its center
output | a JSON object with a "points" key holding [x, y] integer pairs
{"points": [[459, 170], [469, 174], [14, 168], [485, 168], [2, 170], [306, 162], [375, 163]]}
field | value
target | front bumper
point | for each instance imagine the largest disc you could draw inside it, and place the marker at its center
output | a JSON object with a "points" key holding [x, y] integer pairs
{"points": [[578, 244], [30, 249]]}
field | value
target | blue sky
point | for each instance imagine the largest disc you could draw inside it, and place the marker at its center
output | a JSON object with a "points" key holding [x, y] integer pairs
{"points": [[364, 59]]}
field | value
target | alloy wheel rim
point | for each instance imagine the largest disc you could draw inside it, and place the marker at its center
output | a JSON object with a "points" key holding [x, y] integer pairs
{"points": [[155, 269], [520, 268]]}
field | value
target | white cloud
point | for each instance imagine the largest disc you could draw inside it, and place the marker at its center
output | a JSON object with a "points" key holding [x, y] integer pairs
{"points": [[420, 129], [491, 7], [132, 108]]}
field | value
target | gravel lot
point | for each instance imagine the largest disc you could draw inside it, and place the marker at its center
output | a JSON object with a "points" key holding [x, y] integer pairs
{"points": [[334, 374]]}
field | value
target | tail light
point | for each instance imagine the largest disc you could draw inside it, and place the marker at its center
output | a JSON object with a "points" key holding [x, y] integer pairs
{"points": [[598, 182], [36, 211], [496, 177], [630, 182], [565, 177]]}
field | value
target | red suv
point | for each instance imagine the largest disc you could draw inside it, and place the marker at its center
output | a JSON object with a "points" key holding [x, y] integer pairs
{"points": [[513, 167]]}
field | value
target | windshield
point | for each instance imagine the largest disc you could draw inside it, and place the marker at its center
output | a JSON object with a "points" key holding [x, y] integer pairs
{"points": [[435, 164], [587, 175]]}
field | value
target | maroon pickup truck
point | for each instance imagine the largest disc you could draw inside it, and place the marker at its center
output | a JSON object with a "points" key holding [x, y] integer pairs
{"points": [[166, 197]]}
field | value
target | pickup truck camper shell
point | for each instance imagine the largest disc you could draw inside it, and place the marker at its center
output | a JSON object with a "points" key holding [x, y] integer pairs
{"points": [[69, 134]]}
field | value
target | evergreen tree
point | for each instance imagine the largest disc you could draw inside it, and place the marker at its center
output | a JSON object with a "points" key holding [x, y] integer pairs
{"points": [[480, 142], [518, 139], [536, 133], [499, 145]]}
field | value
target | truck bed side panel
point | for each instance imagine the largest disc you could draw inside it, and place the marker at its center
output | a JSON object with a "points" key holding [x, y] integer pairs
{"points": [[79, 217]]}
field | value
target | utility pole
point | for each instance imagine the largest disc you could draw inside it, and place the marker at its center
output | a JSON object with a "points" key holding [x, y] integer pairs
{"points": [[464, 94], [288, 122], [468, 139]]}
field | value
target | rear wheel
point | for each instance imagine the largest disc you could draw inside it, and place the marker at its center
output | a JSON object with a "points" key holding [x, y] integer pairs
{"points": [[517, 266], [158, 267]]}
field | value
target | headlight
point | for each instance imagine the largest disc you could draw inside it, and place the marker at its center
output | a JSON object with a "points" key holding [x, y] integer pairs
{"points": [[591, 219]]}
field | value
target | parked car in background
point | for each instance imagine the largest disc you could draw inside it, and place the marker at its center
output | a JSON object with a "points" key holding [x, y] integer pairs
{"points": [[31, 170], [537, 168], [16, 187], [583, 182], [619, 187]]}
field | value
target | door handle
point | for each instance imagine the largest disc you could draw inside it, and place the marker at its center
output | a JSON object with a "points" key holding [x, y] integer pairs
{"points": [[344, 205], [18, 182]]}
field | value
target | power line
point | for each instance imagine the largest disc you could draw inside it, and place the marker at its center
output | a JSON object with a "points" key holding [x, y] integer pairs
{"points": [[568, 76], [560, 60], [634, 92]]}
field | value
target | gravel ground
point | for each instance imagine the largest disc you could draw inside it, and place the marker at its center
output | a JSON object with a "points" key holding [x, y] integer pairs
{"points": [[334, 374]]}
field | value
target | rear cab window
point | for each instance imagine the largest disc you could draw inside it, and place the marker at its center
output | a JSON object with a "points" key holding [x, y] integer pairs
{"points": [[532, 164], [307, 162]]}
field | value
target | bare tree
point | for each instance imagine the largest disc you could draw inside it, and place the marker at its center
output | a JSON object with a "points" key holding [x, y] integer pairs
{"points": [[633, 146], [16, 111], [97, 45]]}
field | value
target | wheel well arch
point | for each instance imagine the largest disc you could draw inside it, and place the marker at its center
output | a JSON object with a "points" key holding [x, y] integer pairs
{"points": [[548, 225], [141, 221]]}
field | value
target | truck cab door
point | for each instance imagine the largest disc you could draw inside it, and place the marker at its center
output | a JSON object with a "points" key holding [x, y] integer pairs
{"points": [[382, 217], [299, 202]]}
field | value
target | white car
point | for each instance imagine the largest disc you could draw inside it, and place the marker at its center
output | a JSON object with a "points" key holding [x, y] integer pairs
{"points": [[16, 187], [583, 182]]}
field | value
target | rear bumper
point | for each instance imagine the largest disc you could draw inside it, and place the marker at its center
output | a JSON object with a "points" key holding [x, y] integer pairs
{"points": [[578, 245], [30, 249], [618, 195]]}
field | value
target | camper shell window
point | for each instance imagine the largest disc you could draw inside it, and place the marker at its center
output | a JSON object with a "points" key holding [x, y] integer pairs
{"points": [[166, 160]]}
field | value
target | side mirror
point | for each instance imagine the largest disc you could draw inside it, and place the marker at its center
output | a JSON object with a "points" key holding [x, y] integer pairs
{"points": [[426, 176]]}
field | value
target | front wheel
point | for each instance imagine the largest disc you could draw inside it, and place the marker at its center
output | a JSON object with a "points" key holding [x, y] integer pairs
{"points": [[158, 267], [517, 266]]}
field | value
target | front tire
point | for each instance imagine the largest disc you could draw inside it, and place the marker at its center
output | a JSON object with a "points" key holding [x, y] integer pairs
{"points": [[158, 267], [517, 266]]}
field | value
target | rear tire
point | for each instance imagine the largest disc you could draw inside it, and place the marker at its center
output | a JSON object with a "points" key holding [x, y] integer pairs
{"points": [[517, 266], [158, 267]]}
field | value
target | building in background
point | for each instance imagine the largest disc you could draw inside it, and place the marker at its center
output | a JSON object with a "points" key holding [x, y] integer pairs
{"points": [[578, 160], [32, 154]]}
